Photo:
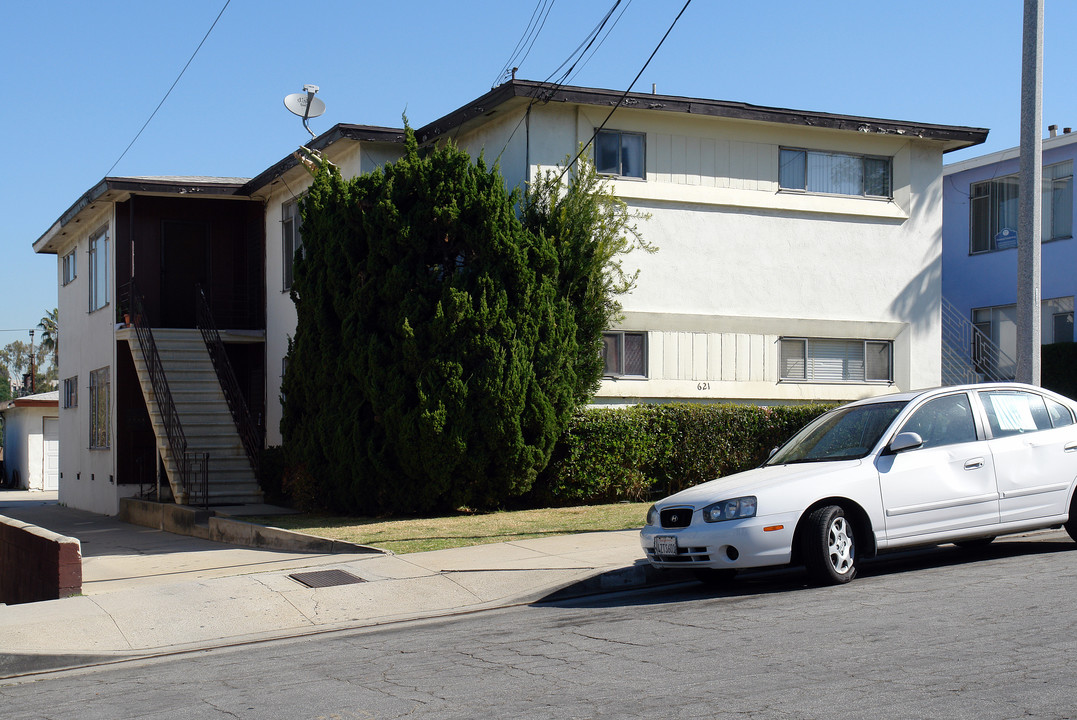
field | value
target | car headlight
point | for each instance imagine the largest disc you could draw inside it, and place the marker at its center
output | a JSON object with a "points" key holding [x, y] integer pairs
{"points": [[652, 515], [735, 509]]}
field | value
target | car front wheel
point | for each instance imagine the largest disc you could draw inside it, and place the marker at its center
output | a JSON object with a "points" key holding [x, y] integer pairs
{"points": [[829, 547]]}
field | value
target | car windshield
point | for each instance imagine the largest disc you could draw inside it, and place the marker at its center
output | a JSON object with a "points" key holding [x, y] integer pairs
{"points": [[843, 434]]}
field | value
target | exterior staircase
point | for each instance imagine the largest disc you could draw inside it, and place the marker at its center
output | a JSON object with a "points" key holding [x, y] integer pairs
{"points": [[968, 355], [206, 420]]}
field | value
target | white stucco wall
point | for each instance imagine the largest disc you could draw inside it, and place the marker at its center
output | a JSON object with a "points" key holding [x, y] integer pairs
{"points": [[352, 158], [87, 343], [741, 264], [24, 445]]}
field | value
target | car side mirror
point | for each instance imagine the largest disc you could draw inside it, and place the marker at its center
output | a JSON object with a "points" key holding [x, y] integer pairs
{"points": [[905, 441], [772, 452]]}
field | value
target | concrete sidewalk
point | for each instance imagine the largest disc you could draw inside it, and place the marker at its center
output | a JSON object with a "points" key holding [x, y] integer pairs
{"points": [[147, 591]]}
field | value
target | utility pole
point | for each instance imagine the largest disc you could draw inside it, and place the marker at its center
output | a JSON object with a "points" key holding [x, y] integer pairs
{"points": [[1030, 203], [33, 389]]}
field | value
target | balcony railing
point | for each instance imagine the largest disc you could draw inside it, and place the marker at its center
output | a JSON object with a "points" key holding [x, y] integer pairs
{"points": [[193, 468], [249, 432], [968, 355]]}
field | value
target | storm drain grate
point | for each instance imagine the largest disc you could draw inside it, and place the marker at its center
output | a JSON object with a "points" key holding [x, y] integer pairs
{"points": [[326, 578]]}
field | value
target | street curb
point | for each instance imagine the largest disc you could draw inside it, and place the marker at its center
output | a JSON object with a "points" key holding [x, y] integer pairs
{"points": [[634, 577]]}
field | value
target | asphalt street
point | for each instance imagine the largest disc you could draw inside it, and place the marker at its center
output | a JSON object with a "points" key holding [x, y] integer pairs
{"points": [[936, 633]]}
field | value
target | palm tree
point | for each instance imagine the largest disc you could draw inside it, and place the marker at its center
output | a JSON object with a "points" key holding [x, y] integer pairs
{"points": [[49, 338]]}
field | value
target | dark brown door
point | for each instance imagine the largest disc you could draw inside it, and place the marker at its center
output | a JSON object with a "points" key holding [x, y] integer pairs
{"points": [[184, 265]]}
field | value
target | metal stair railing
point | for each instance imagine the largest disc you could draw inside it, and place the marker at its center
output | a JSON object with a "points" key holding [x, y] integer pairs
{"points": [[193, 467], [249, 432], [969, 355]]}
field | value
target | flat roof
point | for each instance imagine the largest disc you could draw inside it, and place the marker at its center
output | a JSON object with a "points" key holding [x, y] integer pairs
{"points": [[112, 188], [45, 400], [340, 131], [521, 92], [1049, 143], [511, 94]]}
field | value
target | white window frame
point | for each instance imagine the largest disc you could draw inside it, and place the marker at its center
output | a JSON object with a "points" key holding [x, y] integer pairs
{"points": [[1056, 187], [291, 240], [618, 337], [98, 264], [833, 360], [69, 267], [803, 183], [619, 171], [100, 409], [71, 392]]}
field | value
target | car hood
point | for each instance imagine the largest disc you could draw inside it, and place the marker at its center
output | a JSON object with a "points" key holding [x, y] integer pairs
{"points": [[757, 481]]}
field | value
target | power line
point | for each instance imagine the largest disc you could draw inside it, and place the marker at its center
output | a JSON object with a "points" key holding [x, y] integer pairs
{"points": [[584, 45], [174, 83], [570, 77], [625, 94], [535, 36], [529, 32]]}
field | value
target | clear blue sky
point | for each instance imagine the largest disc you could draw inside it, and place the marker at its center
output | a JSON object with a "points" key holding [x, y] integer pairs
{"points": [[80, 79]]}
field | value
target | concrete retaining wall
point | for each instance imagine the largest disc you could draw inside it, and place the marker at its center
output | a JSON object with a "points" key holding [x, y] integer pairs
{"points": [[36, 564], [185, 520]]}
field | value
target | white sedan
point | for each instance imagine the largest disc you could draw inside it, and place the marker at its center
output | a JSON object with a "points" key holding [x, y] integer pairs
{"points": [[956, 464]]}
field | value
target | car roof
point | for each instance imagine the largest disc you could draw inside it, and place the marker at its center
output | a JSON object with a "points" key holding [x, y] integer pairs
{"points": [[910, 395]]}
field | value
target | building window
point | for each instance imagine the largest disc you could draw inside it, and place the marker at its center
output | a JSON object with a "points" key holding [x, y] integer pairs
{"points": [[620, 153], [999, 326], [1063, 322], [834, 173], [994, 205], [99, 269], [99, 408], [624, 354], [834, 361], [71, 392], [291, 238], [69, 270]]}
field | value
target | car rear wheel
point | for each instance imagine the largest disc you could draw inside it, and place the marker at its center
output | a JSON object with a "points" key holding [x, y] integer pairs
{"points": [[829, 547], [1071, 524]]}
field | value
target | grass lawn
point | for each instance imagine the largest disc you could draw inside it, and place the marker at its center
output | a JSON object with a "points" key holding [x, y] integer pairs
{"points": [[406, 535]]}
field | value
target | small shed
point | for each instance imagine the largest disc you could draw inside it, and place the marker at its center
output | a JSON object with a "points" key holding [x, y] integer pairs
{"points": [[32, 441]]}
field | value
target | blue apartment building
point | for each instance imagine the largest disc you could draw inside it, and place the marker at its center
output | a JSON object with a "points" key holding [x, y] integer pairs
{"points": [[979, 257]]}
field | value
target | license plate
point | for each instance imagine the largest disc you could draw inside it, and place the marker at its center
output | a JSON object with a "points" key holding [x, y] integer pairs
{"points": [[665, 545]]}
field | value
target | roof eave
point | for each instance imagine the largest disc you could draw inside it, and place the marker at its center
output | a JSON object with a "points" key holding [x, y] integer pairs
{"points": [[953, 137], [340, 131], [112, 188]]}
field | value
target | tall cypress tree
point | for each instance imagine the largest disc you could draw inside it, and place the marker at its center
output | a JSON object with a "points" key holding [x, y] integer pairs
{"points": [[433, 361]]}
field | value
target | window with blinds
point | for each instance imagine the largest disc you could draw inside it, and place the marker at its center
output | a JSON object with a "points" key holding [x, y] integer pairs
{"points": [[831, 173], [823, 360], [994, 205]]}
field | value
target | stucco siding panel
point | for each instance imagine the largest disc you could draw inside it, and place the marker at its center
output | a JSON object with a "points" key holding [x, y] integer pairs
{"points": [[656, 365], [700, 347], [693, 162], [685, 355], [670, 357], [714, 356], [707, 167], [756, 366]]}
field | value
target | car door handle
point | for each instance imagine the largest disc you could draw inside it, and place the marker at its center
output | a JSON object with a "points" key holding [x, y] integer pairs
{"points": [[1071, 447], [974, 464]]}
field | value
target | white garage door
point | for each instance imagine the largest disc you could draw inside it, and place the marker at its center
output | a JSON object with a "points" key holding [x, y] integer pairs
{"points": [[51, 469]]}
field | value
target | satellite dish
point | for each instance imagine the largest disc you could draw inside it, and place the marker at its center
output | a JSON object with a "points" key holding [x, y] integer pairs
{"points": [[298, 104], [305, 105]]}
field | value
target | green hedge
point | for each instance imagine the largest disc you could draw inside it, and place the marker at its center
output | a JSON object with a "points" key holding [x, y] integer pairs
{"points": [[642, 451], [1058, 368]]}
